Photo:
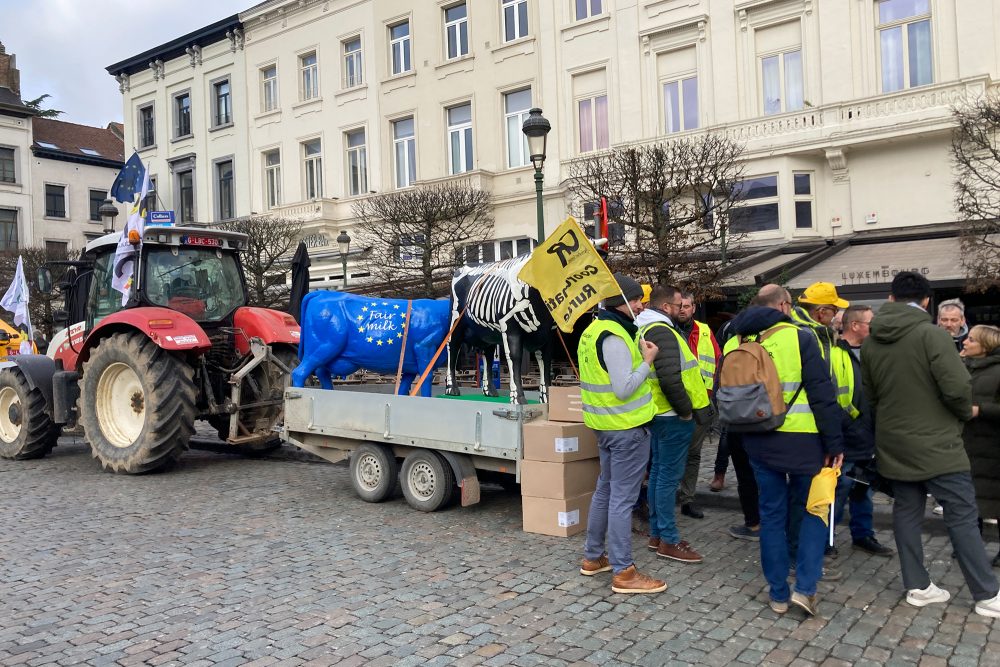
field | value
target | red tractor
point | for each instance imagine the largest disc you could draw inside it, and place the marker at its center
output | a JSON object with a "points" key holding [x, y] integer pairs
{"points": [[136, 377]]}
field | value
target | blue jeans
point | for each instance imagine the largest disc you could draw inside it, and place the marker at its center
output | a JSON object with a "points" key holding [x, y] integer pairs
{"points": [[861, 505], [671, 437], [624, 455], [777, 489]]}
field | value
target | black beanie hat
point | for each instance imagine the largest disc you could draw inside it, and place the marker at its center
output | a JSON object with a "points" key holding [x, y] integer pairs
{"points": [[629, 287]]}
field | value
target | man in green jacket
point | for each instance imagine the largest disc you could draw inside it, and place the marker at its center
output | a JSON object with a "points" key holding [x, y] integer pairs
{"points": [[920, 395]]}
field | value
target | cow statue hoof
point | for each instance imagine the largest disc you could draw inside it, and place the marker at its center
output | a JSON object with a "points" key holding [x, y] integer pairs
{"points": [[452, 391]]}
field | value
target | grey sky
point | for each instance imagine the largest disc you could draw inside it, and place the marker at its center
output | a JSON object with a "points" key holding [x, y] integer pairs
{"points": [[63, 46]]}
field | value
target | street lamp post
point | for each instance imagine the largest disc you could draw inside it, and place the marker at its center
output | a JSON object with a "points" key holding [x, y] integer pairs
{"points": [[108, 212], [344, 241], [536, 128]]}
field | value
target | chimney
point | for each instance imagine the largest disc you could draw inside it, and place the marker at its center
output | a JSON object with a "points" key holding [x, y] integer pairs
{"points": [[9, 76]]}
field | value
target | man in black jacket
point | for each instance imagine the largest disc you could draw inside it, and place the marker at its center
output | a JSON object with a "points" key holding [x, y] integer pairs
{"points": [[679, 405]]}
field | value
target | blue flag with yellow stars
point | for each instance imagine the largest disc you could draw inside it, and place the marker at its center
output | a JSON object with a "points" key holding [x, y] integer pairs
{"points": [[129, 180]]}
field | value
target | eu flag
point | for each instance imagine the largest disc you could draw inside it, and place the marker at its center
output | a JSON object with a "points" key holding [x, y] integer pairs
{"points": [[129, 180]]}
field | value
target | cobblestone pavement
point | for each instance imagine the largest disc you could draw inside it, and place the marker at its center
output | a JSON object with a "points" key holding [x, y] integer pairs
{"points": [[225, 561]]}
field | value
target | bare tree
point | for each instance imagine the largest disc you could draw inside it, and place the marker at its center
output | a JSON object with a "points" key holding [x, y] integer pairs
{"points": [[417, 236], [975, 149], [673, 200], [270, 244], [40, 304]]}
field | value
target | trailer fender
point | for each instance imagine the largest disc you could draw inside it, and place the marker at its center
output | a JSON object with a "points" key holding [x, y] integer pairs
{"points": [[38, 371], [465, 475]]}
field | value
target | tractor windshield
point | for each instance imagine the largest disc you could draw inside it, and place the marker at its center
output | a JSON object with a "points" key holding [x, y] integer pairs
{"points": [[202, 283]]}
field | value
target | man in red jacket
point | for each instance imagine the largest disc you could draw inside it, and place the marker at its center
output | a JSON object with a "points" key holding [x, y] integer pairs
{"points": [[704, 346]]}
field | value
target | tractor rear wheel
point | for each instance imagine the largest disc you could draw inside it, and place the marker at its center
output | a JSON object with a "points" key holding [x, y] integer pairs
{"points": [[26, 432], [137, 404]]}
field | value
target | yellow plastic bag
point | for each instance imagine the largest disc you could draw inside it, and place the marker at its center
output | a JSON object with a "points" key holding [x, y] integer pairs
{"points": [[822, 492]]}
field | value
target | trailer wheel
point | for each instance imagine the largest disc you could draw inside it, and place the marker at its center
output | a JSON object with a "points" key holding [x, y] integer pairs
{"points": [[427, 479], [137, 404], [374, 473], [26, 431]]}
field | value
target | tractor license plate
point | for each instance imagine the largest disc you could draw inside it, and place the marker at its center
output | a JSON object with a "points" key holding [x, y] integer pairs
{"points": [[201, 240]]}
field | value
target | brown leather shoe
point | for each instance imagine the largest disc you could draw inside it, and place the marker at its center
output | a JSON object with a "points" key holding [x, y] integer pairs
{"points": [[630, 580], [806, 603], [718, 483], [681, 551], [654, 543], [589, 567]]}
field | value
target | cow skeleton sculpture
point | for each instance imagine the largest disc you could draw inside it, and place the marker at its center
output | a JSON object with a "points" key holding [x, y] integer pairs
{"points": [[500, 309]]}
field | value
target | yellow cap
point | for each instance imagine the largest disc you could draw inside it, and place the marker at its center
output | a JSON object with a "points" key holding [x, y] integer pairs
{"points": [[646, 291], [823, 294]]}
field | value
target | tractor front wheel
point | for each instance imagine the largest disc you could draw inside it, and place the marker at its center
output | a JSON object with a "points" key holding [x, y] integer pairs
{"points": [[26, 432], [137, 404]]}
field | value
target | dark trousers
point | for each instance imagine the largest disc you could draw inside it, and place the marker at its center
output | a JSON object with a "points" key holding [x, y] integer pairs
{"points": [[955, 493], [685, 493], [722, 455], [746, 483]]}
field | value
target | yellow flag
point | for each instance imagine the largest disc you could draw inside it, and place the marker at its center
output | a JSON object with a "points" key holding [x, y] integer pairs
{"points": [[569, 274]]}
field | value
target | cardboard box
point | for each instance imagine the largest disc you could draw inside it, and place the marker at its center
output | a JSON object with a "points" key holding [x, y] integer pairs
{"points": [[559, 518], [543, 479], [565, 404], [558, 441]]}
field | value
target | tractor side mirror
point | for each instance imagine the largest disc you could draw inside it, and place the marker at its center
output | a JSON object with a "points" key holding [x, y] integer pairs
{"points": [[60, 318], [4, 337], [44, 280]]}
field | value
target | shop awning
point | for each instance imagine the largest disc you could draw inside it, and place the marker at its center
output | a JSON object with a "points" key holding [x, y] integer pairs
{"points": [[938, 259]]}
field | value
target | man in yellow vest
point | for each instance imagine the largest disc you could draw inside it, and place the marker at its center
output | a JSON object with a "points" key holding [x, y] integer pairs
{"points": [[818, 306], [703, 345], [618, 405], [681, 402], [786, 459]]}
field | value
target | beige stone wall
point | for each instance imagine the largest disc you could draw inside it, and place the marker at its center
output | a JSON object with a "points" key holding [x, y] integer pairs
{"points": [[16, 133]]}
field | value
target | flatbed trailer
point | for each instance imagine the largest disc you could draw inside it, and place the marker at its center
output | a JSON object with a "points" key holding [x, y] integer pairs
{"points": [[428, 447]]}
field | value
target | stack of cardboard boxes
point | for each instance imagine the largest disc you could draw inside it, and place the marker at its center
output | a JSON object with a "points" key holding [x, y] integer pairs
{"points": [[560, 468]]}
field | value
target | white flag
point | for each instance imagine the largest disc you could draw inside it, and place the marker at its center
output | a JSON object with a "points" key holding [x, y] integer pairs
{"points": [[126, 253], [16, 298]]}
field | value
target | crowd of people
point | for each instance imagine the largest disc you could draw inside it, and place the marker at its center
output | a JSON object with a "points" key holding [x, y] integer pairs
{"points": [[888, 400]]}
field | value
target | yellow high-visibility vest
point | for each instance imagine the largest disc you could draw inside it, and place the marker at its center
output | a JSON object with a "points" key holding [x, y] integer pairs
{"points": [[602, 410], [706, 355], [690, 375], [843, 376], [783, 346]]}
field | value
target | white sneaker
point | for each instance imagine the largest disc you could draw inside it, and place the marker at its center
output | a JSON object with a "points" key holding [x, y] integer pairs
{"points": [[938, 509], [989, 607], [933, 594]]}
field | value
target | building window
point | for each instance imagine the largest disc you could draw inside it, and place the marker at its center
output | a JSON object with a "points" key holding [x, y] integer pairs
{"points": [[456, 30], [8, 229], [224, 186], [353, 72], [96, 200], [460, 138], [272, 178], [269, 88], [312, 167], [515, 19], [516, 106], [802, 187], [491, 251], [151, 195], [399, 47], [680, 105], [782, 82], [904, 31], [757, 207], [147, 127], [357, 163], [404, 147], [7, 171], [309, 75], [182, 115], [592, 120], [56, 249], [55, 201], [185, 196], [410, 247], [587, 8], [222, 103]]}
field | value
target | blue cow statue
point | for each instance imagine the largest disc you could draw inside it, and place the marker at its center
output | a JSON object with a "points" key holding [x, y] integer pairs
{"points": [[343, 332]]}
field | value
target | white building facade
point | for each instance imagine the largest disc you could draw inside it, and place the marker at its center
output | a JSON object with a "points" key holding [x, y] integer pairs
{"points": [[844, 107]]}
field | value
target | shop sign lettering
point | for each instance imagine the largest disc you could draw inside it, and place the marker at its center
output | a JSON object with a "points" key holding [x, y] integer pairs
{"points": [[880, 274]]}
